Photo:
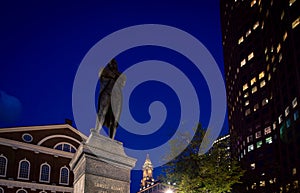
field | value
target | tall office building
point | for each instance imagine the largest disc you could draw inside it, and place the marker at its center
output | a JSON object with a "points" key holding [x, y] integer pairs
{"points": [[261, 46]]}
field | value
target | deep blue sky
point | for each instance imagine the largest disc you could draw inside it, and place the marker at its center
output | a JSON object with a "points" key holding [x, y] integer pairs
{"points": [[43, 42]]}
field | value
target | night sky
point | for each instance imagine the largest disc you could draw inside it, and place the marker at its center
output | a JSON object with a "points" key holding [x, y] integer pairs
{"points": [[42, 44]]}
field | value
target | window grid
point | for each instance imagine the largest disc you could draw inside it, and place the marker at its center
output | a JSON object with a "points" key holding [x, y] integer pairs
{"points": [[45, 172], [65, 147], [64, 176], [3, 165], [24, 169]]}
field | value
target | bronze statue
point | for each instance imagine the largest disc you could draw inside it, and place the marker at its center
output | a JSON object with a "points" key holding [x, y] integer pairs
{"points": [[110, 86]]}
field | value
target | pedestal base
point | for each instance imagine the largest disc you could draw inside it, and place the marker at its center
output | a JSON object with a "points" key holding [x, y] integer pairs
{"points": [[101, 165]]}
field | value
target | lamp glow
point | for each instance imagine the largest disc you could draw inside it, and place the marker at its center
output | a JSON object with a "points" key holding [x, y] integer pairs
{"points": [[169, 191]]}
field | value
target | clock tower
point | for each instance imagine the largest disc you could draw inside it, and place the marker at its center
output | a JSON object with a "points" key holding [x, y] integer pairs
{"points": [[147, 173]]}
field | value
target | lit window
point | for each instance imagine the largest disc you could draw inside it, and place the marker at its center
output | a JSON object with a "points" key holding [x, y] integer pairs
{"points": [[258, 144], [241, 40], [291, 2], [254, 89], [245, 86], [284, 36], [253, 81], [250, 147], [247, 112], [24, 169], [267, 58], [261, 75], [266, 50], [246, 95], [282, 15], [278, 48], [255, 25], [3, 165], [294, 102], [274, 125], [269, 77], [296, 115], [294, 172], [280, 119], [287, 111], [269, 140], [256, 107], [265, 101], [287, 187], [248, 32], [249, 138], [258, 134], [250, 56], [268, 130], [262, 83], [280, 57], [296, 184], [64, 175], [243, 62], [45, 172], [296, 22], [253, 2], [273, 59], [262, 183], [288, 123], [252, 166], [247, 103]]}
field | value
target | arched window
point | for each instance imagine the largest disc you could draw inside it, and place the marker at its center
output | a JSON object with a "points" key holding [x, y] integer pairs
{"points": [[45, 172], [43, 191], [21, 191], [1, 190], [64, 175], [65, 147], [3, 166], [24, 169]]}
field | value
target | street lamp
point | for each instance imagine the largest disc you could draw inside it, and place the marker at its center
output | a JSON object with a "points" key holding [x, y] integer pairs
{"points": [[169, 191]]}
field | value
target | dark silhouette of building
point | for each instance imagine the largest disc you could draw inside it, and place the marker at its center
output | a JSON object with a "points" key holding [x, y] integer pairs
{"points": [[36, 158], [261, 46]]}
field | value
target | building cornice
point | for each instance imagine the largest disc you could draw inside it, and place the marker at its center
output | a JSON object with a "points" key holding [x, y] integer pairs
{"points": [[34, 186], [35, 148], [44, 127]]}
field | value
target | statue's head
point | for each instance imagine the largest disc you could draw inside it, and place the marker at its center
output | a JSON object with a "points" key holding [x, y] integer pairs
{"points": [[113, 64]]}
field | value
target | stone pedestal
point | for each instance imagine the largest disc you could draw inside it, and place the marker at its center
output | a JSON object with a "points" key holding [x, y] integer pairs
{"points": [[101, 165]]}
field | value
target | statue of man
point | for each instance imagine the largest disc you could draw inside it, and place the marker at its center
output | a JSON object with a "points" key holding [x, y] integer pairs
{"points": [[109, 86]]}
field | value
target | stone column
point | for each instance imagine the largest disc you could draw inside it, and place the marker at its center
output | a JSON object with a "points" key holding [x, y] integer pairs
{"points": [[101, 165]]}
